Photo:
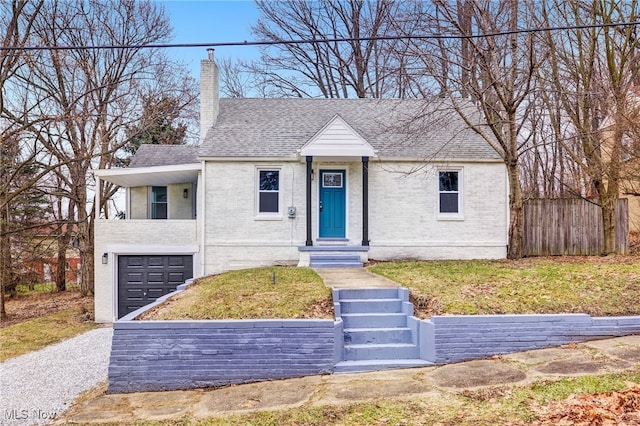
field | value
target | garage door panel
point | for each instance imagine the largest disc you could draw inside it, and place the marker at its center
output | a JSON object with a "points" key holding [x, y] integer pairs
{"points": [[156, 277], [137, 277], [155, 293], [176, 261], [142, 279], [134, 261], [176, 277], [156, 261]]}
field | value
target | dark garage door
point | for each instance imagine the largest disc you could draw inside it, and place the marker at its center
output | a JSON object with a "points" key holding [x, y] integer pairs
{"points": [[142, 279]]}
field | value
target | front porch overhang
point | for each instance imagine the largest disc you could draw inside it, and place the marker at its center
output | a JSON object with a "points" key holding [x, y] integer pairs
{"points": [[150, 176]]}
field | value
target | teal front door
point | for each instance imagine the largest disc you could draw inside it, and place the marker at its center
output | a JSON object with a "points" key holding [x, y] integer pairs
{"points": [[332, 204]]}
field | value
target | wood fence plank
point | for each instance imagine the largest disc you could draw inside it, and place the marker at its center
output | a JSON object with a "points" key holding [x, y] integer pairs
{"points": [[568, 226]]}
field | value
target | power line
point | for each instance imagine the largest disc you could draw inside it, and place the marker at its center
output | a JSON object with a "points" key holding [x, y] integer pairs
{"points": [[325, 40]]}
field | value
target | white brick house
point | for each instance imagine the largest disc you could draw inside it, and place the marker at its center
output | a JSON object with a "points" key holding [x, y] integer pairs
{"points": [[299, 181]]}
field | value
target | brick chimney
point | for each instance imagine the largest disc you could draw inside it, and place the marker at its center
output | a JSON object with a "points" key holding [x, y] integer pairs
{"points": [[209, 94]]}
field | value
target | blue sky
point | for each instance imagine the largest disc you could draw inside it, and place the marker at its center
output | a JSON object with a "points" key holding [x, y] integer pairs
{"points": [[211, 21]]}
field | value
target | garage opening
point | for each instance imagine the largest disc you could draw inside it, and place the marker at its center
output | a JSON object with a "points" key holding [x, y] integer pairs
{"points": [[142, 279]]}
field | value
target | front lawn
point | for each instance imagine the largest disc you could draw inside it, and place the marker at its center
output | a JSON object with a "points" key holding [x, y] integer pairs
{"points": [[36, 333], [42, 316], [275, 292], [599, 286]]}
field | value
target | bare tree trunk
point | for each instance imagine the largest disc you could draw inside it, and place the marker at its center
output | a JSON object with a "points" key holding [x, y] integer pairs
{"points": [[5, 258], [516, 211]]}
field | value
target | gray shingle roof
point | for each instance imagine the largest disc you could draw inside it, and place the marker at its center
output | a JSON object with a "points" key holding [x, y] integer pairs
{"points": [[396, 128], [149, 155]]}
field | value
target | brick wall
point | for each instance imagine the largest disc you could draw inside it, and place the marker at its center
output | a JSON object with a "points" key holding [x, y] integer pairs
{"points": [[403, 212], [165, 355], [459, 338]]}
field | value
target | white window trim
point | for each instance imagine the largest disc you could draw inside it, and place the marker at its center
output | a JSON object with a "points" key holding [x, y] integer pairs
{"points": [[459, 216], [266, 215]]}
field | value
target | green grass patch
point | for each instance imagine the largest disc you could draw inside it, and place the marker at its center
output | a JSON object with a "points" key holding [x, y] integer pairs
{"points": [[595, 286], [23, 289], [34, 334], [251, 294]]}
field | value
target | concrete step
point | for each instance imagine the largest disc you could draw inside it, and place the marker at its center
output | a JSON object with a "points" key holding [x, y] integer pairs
{"points": [[367, 293], [377, 306], [334, 261], [335, 265], [379, 364], [369, 320], [380, 351], [377, 335]]}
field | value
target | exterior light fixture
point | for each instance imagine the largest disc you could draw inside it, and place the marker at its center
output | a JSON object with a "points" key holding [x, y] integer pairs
{"points": [[105, 258], [185, 193]]}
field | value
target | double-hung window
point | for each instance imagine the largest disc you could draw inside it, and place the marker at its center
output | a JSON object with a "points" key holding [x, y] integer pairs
{"points": [[268, 191], [449, 193], [158, 202]]}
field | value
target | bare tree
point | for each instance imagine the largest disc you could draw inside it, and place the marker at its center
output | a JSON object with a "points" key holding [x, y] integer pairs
{"points": [[16, 20], [592, 72], [357, 68], [92, 95], [496, 72]]}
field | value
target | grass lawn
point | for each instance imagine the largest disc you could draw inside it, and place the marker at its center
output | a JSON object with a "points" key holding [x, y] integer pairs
{"points": [[599, 286], [251, 294], [43, 316], [34, 334]]}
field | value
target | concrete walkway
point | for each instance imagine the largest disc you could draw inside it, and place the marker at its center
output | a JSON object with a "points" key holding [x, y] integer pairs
{"points": [[431, 383], [353, 278]]}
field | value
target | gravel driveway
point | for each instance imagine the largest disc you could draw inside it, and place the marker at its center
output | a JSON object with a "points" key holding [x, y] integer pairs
{"points": [[37, 387]]}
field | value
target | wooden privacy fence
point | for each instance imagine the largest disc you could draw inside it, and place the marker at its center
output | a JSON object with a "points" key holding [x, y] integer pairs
{"points": [[568, 226]]}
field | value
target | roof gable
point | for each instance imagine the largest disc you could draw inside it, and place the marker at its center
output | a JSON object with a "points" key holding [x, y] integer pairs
{"points": [[337, 139]]}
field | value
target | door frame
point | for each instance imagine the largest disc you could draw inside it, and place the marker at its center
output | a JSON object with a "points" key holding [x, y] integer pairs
{"points": [[345, 172]]}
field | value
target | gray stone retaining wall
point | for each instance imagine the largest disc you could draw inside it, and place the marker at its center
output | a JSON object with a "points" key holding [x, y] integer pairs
{"points": [[448, 339], [169, 355]]}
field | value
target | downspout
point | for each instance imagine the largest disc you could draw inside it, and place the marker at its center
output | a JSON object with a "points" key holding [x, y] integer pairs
{"points": [[203, 202]]}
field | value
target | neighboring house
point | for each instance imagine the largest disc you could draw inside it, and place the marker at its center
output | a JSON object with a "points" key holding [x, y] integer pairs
{"points": [[37, 255], [299, 181], [629, 153]]}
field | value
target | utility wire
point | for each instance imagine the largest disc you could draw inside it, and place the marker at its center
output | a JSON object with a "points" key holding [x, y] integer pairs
{"points": [[325, 40]]}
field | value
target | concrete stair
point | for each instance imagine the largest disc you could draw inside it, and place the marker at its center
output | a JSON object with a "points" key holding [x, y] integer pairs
{"points": [[335, 261], [376, 335]]}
